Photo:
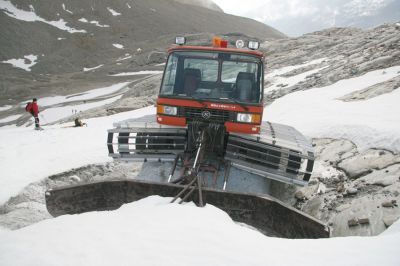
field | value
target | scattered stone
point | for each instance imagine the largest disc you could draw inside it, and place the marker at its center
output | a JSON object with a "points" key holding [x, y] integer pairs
{"points": [[351, 191], [352, 222], [363, 220], [389, 204], [389, 220], [299, 195]]}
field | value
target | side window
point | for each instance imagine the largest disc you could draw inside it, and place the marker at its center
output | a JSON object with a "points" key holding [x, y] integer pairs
{"points": [[208, 68], [170, 75]]}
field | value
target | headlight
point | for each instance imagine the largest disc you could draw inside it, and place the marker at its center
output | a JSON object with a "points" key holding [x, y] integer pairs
{"points": [[167, 110], [248, 118]]}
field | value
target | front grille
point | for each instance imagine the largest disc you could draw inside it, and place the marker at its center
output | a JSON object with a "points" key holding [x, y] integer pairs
{"points": [[217, 116]]}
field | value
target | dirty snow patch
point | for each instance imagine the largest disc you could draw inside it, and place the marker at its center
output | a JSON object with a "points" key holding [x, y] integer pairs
{"points": [[10, 118], [57, 113], [10, 10], [5, 107], [117, 45], [24, 63], [145, 72], [88, 95], [85, 69], [59, 38], [128, 5], [113, 12]]}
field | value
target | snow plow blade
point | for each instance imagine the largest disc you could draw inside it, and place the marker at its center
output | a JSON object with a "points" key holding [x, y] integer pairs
{"points": [[265, 213]]}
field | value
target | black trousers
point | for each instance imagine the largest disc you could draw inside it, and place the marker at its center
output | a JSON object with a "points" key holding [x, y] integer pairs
{"points": [[36, 120]]}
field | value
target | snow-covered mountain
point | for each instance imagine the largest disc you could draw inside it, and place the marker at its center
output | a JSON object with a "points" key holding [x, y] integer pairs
{"points": [[295, 18]]}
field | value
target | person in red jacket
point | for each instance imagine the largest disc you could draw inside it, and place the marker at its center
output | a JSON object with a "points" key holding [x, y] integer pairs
{"points": [[33, 108]]}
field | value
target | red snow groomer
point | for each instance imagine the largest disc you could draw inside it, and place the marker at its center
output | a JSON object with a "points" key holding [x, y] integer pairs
{"points": [[209, 124]]}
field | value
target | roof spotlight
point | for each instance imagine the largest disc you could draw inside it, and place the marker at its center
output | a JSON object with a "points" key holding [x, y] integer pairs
{"points": [[239, 44], [254, 45], [180, 40]]}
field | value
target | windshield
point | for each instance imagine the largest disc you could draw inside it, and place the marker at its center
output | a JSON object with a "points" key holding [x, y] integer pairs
{"points": [[213, 75]]}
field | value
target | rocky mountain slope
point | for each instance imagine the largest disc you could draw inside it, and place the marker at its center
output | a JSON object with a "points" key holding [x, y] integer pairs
{"points": [[354, 189], [58, 41]]}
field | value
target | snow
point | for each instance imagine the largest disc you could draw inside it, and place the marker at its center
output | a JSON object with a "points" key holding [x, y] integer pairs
{"points": [[28, 156], [85, 69], [127, 56], [95, 22], [128, 5], [10, 10], [59, 38], [65, 9], [9, 118], [117, 45], [144, 72], [88, 95], [154, 232], [5, 107], [372, 123], [113, 12], [98, 24], [24, 63]]}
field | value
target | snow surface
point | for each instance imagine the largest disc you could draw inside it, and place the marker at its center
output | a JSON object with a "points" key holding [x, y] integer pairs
{"points": [[95, 22], [60, 149], [372, 123], [153, 231], [85, 69], [144, 72], [24, 63], [117, 45], [87, 95], [113, 12], [5, 107], [10, 10], [10, 118]]}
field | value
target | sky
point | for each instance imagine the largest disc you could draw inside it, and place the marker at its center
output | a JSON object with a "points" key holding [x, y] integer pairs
{"points": [[296, 17]]}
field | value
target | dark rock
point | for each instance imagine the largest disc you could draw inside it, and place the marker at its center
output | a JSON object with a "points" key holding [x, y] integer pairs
{"points": [[363, 220], [352, 222]]}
